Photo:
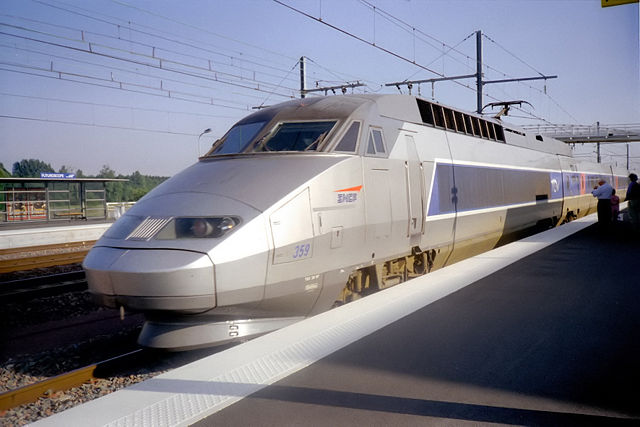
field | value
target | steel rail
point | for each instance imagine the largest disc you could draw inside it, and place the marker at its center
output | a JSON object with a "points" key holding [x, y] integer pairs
{"points": [[28, 258], [41, 286], [32, 282], [33, 392], [39, 248], [41, 261]]}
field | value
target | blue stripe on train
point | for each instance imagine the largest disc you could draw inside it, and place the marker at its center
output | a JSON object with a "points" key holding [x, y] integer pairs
{"points": [[460, 188]]}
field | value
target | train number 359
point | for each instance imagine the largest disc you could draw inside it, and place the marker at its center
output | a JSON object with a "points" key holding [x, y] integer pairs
{"points": [[301, 251]]}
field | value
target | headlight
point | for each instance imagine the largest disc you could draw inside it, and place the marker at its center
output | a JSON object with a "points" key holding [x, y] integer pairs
{"points": [[185, 228]]}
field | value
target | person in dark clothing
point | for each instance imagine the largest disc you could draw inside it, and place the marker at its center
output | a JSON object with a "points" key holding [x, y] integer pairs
{"points": [[633, 197]]}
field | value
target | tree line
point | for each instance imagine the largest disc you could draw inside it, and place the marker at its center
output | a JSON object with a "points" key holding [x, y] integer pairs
{"points": [[130, 191]]}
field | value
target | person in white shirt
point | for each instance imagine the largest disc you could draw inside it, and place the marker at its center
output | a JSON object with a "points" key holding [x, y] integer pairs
{"points": [[603, 192]]}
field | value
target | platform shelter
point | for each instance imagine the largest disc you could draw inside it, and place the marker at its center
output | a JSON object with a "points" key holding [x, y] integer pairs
{"points": [[55, 198]]}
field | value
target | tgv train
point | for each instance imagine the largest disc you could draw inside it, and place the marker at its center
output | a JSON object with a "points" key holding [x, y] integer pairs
{"points": [[315, 202]]}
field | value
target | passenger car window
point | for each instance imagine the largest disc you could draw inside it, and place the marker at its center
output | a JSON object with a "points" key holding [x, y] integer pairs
{"points": [[295, 136], [349, 141]]}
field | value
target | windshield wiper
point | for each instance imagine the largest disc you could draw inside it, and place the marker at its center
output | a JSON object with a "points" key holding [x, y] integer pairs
{"points": [[261, 144], [317, 142]]}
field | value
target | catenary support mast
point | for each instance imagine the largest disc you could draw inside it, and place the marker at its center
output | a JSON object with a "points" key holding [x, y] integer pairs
{"points": [[479, 71], [480, 82], [303, 79]]}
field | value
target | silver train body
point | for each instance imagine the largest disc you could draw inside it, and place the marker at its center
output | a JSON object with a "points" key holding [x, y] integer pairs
{"points": [[315, 202]]}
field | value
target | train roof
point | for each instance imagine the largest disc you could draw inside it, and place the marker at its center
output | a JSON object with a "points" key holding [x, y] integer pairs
{"points": [[421, 111], [408, 108]]}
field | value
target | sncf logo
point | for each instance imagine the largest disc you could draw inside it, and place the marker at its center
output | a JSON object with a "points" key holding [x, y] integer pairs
{"points": [[348, 195]]}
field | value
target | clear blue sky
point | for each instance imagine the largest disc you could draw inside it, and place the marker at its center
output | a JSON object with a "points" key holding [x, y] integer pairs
{"points": [[131, 83]]}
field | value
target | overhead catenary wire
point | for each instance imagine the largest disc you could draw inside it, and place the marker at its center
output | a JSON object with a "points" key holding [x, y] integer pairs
{"points": [[123, 107], [123, 85], [410, 29], [511, 54], [385, 50], [122, 70], [269, 95], [112, 80], [407, 27], [69, 122], [131, 26], [156, 62], [450, 49], [337, 74], [443, 54], [454, 49], [324, 22], [199, 29], [122, 88], [201, 68], [128, 25], [151, 47]]}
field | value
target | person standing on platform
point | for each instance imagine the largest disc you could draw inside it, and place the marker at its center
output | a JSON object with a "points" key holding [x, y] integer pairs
{"points": [[633, 197], [603, 192], [615, 206]]}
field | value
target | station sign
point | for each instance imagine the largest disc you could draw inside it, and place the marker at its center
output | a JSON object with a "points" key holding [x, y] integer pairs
{"points": [[57, 175]]}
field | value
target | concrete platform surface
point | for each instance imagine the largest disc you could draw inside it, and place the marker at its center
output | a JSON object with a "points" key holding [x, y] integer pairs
{"points": [[52, 235], [553, 339]]}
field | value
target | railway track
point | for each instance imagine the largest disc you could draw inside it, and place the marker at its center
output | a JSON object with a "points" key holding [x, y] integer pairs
{"points": [[42, 286], [19, 259], [41, 399], [66, 381]]}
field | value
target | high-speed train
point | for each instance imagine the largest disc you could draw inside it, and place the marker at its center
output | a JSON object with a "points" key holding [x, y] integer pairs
{"points": [[315, 202]]}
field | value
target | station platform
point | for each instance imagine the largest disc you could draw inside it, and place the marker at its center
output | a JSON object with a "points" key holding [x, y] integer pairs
{"points": [[51, 235], [543, 331]]}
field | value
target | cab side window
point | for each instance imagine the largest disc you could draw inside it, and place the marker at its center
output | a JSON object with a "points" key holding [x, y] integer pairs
{"points": [[375, 144], [349, 141]]}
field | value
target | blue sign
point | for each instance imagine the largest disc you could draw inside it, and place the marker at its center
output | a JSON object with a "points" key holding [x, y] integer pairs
{"points": [[57, 175]]}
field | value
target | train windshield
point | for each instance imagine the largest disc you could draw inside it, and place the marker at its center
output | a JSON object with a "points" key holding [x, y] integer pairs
{"points": [[237, 139], [295, 136]]}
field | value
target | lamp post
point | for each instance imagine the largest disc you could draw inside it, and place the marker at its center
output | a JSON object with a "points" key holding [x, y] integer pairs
{"points": [[207, 130]]}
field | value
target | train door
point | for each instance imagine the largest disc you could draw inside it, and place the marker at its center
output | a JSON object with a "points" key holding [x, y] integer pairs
{"points": [[415, 192], [378, 193], [377, 184], [440, 194]]}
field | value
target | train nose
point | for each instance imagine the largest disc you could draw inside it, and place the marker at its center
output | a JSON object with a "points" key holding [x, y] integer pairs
{"points": [[151, 279]]}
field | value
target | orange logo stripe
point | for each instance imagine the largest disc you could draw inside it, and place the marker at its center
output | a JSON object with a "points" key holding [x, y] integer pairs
{"points": [[358, 188]]}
